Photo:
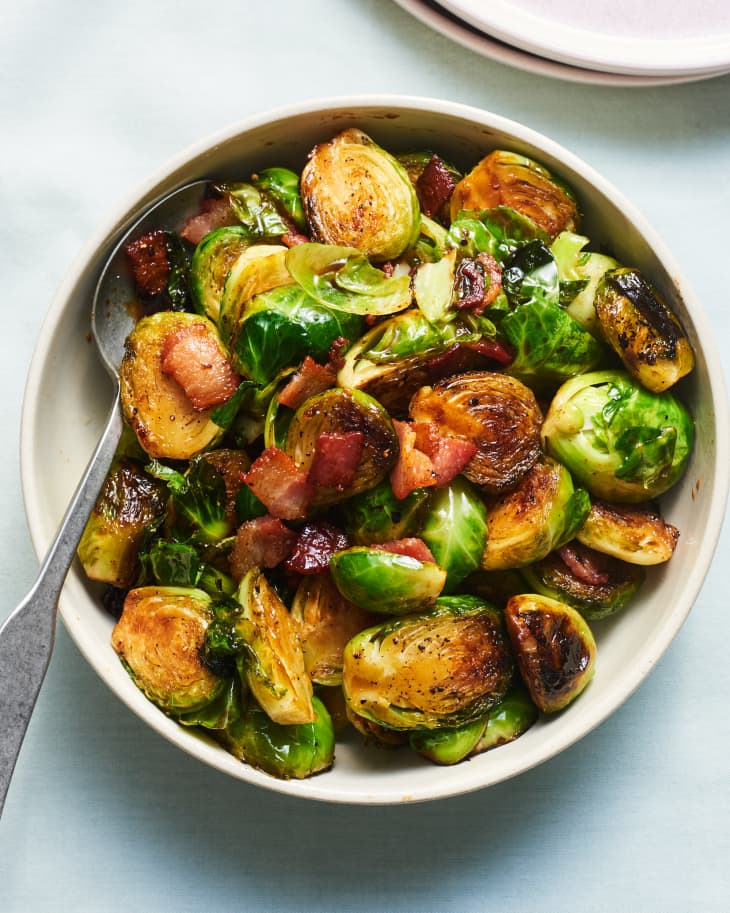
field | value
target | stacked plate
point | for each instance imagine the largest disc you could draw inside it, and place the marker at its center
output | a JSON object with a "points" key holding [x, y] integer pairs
{"points": [[621, 43]]}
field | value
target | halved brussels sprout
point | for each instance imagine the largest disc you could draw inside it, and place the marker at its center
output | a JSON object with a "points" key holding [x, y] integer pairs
{"points": [[155, 406], [257, 269], [497, 412], [211, 263], [508, 720], [160, 638], [620, 441], [343, 411], [376, 515], [272, 662], [357, 195], [642, 330], [580, 272], [382, 581], [128, 508], [555, 649], [443, 669], [455, 530], [509, 179], [220, 713], [282, 185], [615, 583], [540, 515], [638, 535], [292, 751], [326, 623], [448, 746]]}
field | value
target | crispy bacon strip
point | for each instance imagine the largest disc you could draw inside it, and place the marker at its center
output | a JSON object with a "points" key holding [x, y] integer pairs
{"points": [[292, 238], [276, 481], [263, 542], [216, 212], [584, 563], [193, 358], [336, 458], [434, 186], [449, 455], [309, 380], [316, 544], [147, 258], [413, 468]]}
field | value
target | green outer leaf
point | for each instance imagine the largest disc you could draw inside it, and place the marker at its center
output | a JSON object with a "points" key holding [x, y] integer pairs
{"points": [[508, 720], [211, 262], [199, 498], [225, 415], [448, 746], [221, 713], [178, 289], [499, 232], [433, 288], [283, 186], [256, 210], [378, 516], [174, 563]]}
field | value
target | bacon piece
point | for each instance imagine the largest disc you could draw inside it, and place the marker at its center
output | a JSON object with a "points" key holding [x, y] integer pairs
{"points": [[387, 268], [336, 458], [493, 271], [148, 259], [216, 212], [469, 284], [193, 358], [276, 481], [434, 186], [309, 380], [585, 563], [336, 358], [413, 468], [263, 542], [448, 455], [411, 546], [494, 349], [316, 544], [292, 238]]}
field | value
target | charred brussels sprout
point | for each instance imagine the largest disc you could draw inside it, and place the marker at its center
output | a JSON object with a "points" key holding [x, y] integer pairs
{"points": [[622, 442], [155, 406], [129, 507], [509, 179], [455, 530], [638, 535], [160, 639], [377, 516], [540, 515], [342, 412], [382, 581], [256, 270], [555, 649], [440, 670], [601, 586], [211, 263], [579, 272], [286, 751], [498, 413], [357, 195], [641, 329]]}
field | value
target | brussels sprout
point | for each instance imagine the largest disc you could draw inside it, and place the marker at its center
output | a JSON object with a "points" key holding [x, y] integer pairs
{"points": [[638, 535], [357, 195], [130, 505], [438, 670], [620, 441], [540, 515], [376, 515], [555, 649], [179, 564], [448, 746], [615, 583], [221, 712], [391, 360], [326, 623], [292, 751], [271, 661], [433, 287], [580, 272], [509, 179], [508, 720], [256, 210], [342, 411], [280, 327], [342, 278], [499, 232], [495, 587], [257, 269], [282, 185], [155, 406], [159, 638], [455, 530], [642, 330], [211, 263], [497, 412], [382, 581]]}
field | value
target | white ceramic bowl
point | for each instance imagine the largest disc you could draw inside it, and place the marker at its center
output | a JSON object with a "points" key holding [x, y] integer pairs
{"points": [[68, 396]]}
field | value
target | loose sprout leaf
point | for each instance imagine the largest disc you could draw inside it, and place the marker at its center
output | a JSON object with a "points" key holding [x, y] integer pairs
{"points": [[647, 453], [200, 499], [499, 231], [570, 289], [175, 563], [178, 286], [531, 274], [225, 415], [433, 288], [256, 210], [283, 186]]}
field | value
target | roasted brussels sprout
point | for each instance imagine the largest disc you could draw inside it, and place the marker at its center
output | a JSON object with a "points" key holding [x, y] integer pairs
{"points": [[166, 423], [555, 649], [433, 287], [579, 273], [179, 564], [282, 185], [382, 581], [601, 586], [455, 530], [637, 534], [508, 720], [160, 638], [509, 179], [129, 507], [286, 751], [357, 195], [326, 622], [221, 712], [439, 670], [642, 330], [256, 270], [376, 515], [620, 441], [499, 232], [448, 746], [255, 209], [344, 412], [211, 263], [540, 515], [497, 412]]}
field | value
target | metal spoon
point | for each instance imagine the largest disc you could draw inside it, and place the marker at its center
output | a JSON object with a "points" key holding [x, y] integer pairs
{"points": [[26, 637]]}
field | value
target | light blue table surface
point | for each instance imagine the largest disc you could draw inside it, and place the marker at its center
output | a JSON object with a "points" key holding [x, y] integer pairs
{"points": [[103, 814]]}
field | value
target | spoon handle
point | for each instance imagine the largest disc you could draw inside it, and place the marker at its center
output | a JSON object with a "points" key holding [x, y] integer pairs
{"points": [[26, 637]]}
